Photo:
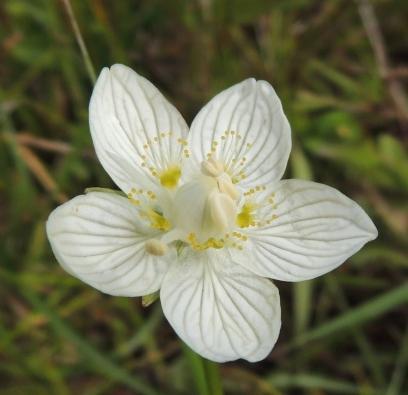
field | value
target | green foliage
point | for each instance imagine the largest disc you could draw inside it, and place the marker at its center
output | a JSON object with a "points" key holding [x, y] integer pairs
{"points": [[345, 333]]}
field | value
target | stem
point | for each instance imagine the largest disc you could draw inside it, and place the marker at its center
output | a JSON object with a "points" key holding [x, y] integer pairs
{"points": [[197, 368], [214, 377], [84, 51], [205, 373]]}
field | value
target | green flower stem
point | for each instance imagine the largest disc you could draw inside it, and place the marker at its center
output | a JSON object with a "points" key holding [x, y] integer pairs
{"points": [[205, 373], [213, 377]]}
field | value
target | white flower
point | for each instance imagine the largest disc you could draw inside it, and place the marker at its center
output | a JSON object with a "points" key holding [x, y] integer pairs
{"points": [[207, 219]]}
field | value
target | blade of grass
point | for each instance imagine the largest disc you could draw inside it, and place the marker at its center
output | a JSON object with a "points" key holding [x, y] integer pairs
{"points": [[98, 361], [400, 370], [41, 173], [241, 381], [313, 382], [141, 336], [357, 316], [366, 350], [78, 36]]}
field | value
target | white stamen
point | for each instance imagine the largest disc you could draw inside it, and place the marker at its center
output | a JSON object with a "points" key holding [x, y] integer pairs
{"points": [[212, 167], [226, 186], [222, 210]]}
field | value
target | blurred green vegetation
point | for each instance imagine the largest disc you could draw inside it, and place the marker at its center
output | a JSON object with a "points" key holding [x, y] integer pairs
{"points": [[342, 83]]}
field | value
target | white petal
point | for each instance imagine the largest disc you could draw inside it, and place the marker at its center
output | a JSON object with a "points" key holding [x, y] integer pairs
{"points": [[132, 124], [221, 310], [246, 129], [315, 230], [99, 238]]}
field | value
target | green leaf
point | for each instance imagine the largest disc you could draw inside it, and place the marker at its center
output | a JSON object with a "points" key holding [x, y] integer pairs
{"points": [[357, 316]]}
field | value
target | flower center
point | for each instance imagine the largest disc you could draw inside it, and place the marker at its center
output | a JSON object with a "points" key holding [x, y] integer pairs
{"points": [[205, 208]]}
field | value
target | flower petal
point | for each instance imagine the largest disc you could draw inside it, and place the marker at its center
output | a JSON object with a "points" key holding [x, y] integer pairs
{"points": [[221, 310], [133, 126], [99, 239], [245, 128], [312, 229]]}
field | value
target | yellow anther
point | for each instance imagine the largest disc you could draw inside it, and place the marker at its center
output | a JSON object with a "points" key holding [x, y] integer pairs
{"points": [[155, 247]]}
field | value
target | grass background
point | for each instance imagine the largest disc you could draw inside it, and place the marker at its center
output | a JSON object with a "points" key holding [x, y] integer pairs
{"points": [[340, 67]]}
